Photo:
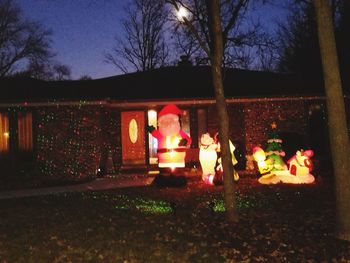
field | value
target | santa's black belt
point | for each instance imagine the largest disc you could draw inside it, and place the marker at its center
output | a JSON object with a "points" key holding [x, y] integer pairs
{"points": [[170, 150]]}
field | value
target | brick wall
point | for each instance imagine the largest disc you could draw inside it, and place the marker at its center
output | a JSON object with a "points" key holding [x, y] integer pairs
{"points": [[290, 116], [112, 133], [73, 141], [69, 141], [250, 122]]}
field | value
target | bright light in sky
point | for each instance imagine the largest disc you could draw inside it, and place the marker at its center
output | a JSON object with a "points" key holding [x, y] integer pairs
{"points": [[182, 13]]}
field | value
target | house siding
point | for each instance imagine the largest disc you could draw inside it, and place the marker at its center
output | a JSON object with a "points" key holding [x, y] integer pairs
{"points": [[74, 140]]}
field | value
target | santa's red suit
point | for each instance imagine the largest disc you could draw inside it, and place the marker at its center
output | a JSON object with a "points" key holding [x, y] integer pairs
{"points": [[172, 141]]}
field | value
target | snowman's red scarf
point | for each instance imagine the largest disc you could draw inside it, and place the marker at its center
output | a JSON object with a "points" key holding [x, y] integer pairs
{"points": [[206, 146]]}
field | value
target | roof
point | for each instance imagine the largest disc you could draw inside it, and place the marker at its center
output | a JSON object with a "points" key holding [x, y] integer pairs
{"points": [[163, 83]]}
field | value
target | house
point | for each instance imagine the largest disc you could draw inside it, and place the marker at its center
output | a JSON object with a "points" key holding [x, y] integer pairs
{"points": [[300, 164], [73, 128]]}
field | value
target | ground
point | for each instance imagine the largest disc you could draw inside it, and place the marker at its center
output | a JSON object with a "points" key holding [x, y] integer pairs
{"points": [[280, 223], [30, 180]]}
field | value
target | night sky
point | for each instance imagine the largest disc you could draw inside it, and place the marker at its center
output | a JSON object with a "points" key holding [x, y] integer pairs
{"points": [[84, 30]]}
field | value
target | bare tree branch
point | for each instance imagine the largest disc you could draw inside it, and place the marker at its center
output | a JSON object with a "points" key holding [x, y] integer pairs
{"points": [[20, 39], [142, 46], [243, 40]]}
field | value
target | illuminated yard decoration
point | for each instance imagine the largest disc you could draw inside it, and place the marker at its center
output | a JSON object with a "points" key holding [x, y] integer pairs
{"points": [[300, 166], [263, 164], [272, 167], [208, 157], [219, 169], [274, 151], [172, 141]]}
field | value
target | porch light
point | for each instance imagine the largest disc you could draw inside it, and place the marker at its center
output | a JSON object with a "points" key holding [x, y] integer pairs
{"points": [[152, 114]]}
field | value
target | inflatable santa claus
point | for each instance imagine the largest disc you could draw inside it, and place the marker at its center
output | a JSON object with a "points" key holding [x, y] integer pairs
{"points": [[172, 140]]}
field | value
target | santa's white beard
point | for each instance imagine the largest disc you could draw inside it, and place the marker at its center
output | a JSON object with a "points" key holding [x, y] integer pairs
{"points": [[172, 129]]}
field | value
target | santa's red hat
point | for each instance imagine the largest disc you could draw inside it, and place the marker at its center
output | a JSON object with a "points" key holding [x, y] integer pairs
{"points": [[309, 153], [170, 109], [257, 149]]}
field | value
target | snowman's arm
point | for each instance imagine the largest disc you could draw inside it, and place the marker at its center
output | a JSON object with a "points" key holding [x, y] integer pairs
{"points": [[185, 136], [232, 147]]}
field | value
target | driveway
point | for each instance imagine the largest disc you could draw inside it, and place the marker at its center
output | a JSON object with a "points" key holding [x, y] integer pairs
{"points": [[98, 184]]}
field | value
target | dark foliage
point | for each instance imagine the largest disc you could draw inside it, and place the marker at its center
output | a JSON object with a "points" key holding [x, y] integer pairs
{"points": [[298, 41]]}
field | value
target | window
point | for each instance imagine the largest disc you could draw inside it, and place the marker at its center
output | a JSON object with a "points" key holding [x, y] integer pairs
{"points": [[4, 133], [152, 142], [25, 132], [185, 122]]}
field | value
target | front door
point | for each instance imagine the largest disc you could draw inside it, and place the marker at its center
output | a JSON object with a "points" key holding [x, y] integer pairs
{"points": [[133, 137]]}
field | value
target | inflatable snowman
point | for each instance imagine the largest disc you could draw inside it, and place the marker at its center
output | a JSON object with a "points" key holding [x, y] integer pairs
{"points": [[219, 169], [172, 141], [208, 157]]}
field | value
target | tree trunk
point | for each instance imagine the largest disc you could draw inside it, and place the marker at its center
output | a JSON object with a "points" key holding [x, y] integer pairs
{"points": [[338, 133], [216, 62]]}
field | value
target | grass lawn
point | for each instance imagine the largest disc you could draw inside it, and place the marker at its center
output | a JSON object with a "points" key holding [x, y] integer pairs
{"points": [[278, 223]]}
